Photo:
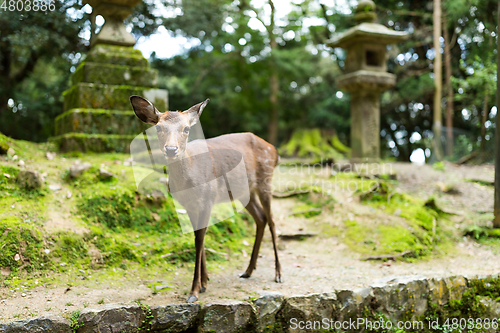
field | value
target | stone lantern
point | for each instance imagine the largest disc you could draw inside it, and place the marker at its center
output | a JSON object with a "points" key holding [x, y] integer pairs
{"points": [[97, 114], [366, 77]]}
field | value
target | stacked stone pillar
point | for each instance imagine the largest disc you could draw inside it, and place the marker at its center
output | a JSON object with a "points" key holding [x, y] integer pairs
{"points": [[97, 114]]}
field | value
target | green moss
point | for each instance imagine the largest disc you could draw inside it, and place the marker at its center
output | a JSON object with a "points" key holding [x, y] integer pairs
{"points": [[4, 144], [112, 97], [22, 246], [99, 121], [93, 142], [115, 74], [419, 229], [313, 143], [120, 55]]}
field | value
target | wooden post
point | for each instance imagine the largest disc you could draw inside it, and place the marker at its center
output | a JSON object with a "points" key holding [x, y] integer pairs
{"points": [[496, 221]]}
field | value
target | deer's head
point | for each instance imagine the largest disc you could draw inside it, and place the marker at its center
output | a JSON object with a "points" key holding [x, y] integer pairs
{"points": [[172, 126]]}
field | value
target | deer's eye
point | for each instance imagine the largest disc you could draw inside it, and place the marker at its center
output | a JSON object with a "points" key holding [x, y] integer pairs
{"points": [[186, 129]]}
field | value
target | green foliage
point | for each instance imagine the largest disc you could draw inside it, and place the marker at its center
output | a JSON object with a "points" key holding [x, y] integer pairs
{"points": [[481, 233], [438, 166], [73, 321], [36, 48]]}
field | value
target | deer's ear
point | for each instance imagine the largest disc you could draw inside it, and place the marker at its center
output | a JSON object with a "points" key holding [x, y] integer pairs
{"points": [[145, 110], [196, 110]]}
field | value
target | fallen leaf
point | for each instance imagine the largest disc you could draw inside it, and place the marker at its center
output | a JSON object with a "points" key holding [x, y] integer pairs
{"points": [[297, 264]]}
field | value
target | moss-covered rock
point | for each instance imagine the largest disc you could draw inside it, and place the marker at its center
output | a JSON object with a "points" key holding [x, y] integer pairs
{"points": [[29, 179], [4, 144]]}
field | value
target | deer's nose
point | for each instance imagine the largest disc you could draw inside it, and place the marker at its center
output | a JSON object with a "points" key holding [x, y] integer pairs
{"points": [[171, 151]]}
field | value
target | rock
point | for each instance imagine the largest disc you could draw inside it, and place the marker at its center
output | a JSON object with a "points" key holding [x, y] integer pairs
{"points": [[492, 307], [105, 174], [268, 306], [111, 318], [174, 317], [50, 156], [401, 296], [77, 169], [441, 291], [352, 303], [54, 187], [227, 316], [21, 164], [4, 147], [43, 324], [312, 307], [29, 179], [11, 152]]}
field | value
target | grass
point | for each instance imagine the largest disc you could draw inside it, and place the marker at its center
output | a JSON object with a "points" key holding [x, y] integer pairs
{"points": [[121, 230]]}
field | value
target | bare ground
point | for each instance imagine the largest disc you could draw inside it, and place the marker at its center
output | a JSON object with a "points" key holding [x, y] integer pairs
{"points": [[318, 264]]}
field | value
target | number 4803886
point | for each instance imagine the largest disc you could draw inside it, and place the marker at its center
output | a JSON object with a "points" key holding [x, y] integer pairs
{"points": [[27, 5]]}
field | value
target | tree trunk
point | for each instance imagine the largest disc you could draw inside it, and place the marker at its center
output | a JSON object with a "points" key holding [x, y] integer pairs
{"points": [[449, 89], [437, 81], [496, 220], [483, 122], [273, 83]]}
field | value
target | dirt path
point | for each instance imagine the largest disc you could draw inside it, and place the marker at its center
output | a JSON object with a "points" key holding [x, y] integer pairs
{"points": [[318, 264]]}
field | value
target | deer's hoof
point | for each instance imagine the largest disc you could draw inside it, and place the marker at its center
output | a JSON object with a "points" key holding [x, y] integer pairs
{"points": [[244, 275], [279, 279], [192, 299], [203, 289]]}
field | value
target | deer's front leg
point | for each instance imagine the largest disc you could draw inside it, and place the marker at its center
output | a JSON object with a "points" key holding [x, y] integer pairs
{"points": [[199, 242], [204, 272]]}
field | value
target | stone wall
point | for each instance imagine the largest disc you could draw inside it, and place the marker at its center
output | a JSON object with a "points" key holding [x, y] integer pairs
{"points": [[404, 298]]}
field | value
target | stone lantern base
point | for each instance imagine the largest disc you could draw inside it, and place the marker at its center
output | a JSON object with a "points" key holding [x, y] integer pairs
{"points": [[97, 113]]}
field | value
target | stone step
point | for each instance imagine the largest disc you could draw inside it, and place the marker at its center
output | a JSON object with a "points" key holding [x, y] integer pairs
{"points": [[99, 121], [117, 55], [111, 97], [115, 74], [98, 143]]}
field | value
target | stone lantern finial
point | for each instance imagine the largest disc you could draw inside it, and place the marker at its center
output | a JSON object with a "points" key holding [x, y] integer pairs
{"points": [[113, 32], [365, 11]]}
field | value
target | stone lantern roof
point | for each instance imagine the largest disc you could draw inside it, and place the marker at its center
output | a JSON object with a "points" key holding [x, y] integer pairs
{"points": [[366, 30]]}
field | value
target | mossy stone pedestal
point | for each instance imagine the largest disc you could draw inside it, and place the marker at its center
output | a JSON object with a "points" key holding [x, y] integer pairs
{"points": [[366, 77]]}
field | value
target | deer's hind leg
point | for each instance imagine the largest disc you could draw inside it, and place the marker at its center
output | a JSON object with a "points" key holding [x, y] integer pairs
{"points": [[265, 196], [255, 209]]}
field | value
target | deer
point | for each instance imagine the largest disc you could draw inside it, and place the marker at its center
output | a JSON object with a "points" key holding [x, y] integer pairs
{"points": [[186, 169]]}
